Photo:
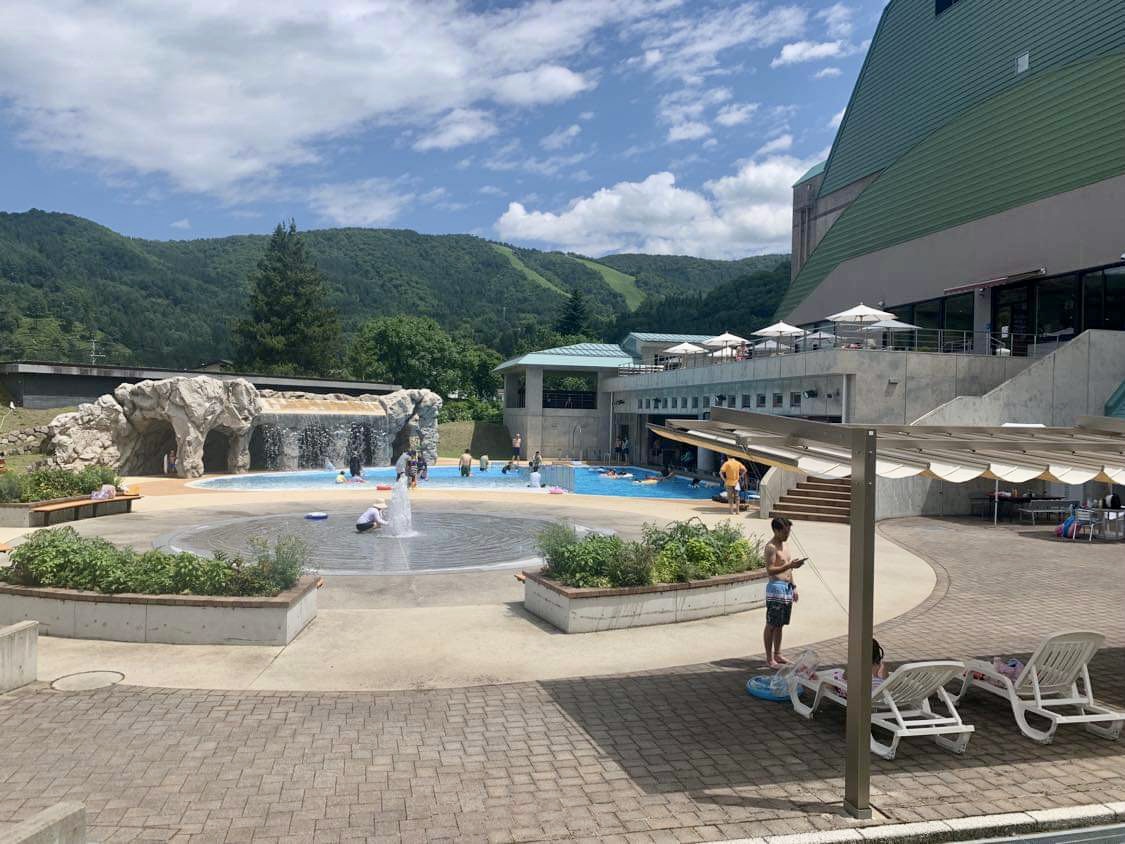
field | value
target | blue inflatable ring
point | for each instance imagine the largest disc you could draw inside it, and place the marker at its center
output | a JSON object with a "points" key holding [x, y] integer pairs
{"points": [[316, 517], [759, 686]]}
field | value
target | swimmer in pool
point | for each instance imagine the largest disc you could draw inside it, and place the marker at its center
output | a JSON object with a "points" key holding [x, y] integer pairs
{"points": [[341, 478]]}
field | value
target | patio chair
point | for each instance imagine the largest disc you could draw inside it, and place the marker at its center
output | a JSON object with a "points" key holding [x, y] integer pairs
{"points": [[1086, 518], [900, 704], [1048, 687]]}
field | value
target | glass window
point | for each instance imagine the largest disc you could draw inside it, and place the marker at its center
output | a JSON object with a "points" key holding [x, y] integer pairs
{"points": [[1056, 313], [745, 399], [794, 399], [674, 402], [761, 400], [778, 400], [1115, 299], [959, 313], [665, 404], [640, 404], [732, 401], [695, 402], [927, 315], [1093, 300]]}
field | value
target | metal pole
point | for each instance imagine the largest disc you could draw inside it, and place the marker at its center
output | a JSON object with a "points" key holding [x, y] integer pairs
{"points": [[857, 768], [996, 503]]}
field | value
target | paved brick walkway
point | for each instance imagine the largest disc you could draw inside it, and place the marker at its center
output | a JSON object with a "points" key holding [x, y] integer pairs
{"points": [[678, 755]]}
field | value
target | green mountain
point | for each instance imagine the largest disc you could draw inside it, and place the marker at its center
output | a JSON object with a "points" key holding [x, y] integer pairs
{"points": [[65, 280]]}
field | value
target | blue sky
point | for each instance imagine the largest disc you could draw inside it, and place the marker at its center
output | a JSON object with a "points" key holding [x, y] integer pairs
{"points": [[597, 126]]}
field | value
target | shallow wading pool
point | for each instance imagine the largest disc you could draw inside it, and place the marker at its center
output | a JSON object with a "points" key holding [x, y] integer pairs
{"points": [[587, 481]]}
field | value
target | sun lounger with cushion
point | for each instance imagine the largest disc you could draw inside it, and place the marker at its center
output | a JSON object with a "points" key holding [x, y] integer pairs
{"points": [[1048, 687], [900, 705]]}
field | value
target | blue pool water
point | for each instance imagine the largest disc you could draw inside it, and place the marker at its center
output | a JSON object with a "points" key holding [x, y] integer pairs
{"points": [[587, 481]]}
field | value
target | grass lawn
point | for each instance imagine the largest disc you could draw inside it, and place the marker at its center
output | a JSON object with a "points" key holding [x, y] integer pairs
{"points": [[616, 280], [20, 462], [481, 438], [23, 417]]}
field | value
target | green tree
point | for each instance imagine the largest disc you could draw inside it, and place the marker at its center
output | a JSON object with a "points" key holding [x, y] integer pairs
{"points": [[575, 314], [411, 351], [477, 377], [290, 325]]}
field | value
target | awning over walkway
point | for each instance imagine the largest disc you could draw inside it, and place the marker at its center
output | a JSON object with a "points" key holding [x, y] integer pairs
{"points": [[1094, 450]]}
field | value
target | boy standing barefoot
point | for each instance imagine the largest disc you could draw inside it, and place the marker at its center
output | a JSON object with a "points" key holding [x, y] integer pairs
{"points": [[781, 591]]}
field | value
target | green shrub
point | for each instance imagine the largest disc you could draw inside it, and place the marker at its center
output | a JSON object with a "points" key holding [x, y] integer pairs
{"points": [[471, 409], [678, 552], [61, 557], [11, 488], [45, 484]]}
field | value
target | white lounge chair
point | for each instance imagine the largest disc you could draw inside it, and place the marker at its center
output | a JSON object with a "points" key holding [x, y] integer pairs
{"points": [[900, 704], [1048, 687]]}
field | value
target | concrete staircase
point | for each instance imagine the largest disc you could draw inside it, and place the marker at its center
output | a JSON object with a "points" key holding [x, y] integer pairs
{"points": [[816, 500]]}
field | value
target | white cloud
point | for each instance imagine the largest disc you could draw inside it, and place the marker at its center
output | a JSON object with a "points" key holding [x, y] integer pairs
{"points": [[837, 20], [510, 157], [492, 190], [688, 131], [747, 212], [779, 144], [561, 137], [370, 202], [461, 126], [827, 73], [735, 113], [837, 119], [220, 97], [688, 47], [808, 51], [546, 84], [586, 115], [185, 223]]}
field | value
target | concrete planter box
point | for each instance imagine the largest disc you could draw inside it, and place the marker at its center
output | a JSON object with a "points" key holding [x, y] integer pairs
{"points": [[20, 515], [171, 619], [588, 610]]}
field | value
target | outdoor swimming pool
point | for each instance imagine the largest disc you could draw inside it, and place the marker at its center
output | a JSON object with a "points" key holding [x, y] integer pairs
{"points": [[586, 481]]}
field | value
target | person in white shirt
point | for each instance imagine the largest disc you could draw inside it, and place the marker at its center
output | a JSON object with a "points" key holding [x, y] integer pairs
{"points": [[372, 517]]}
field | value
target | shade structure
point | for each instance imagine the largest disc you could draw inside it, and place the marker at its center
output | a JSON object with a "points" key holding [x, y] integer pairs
{"points": [[684, 349], [891, 325], [723, 340], [768, 345], [779, 329], [819, 335], [725, 352], [1092, 450], [861, 313]]}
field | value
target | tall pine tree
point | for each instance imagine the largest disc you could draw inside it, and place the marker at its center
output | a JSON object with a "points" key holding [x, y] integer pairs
{"points": [[575, 315], [290, 328]]}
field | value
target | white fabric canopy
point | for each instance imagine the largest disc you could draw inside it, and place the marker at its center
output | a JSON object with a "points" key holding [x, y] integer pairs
{"points": [[725, 352], [684, 349], [861, 313], [819, 335], [779, 329], [768, 345], [891, 325], [725, 339], [1094, 450]]}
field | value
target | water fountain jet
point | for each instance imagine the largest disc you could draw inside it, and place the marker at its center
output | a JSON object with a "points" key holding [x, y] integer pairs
{"points": [[400, 518]]}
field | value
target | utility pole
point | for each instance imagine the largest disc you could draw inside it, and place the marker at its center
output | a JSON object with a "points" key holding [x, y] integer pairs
{"points": [[95, 355]]}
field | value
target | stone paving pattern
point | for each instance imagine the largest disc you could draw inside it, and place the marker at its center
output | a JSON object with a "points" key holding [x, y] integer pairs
{"points": [[681, 755]]}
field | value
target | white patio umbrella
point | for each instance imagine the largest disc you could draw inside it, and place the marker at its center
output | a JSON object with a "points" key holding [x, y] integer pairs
{"points": [[725, 352], [684, 349], [891, 325], [861, 313], [768, 345], [819, 335], [779, 329], [724, 340]]}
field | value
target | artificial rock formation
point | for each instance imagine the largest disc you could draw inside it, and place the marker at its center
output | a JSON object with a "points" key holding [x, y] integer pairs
{"points": [[210, 423]]}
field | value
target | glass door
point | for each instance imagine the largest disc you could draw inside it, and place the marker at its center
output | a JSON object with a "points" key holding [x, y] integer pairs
{"points": [[1010, 322]]}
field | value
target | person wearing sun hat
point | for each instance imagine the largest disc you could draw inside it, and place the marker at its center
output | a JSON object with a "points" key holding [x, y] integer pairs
{"points": [[372, 517]]}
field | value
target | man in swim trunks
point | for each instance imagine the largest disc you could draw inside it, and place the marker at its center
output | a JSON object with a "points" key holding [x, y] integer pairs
{"points": [[466, 463], [731, 471], [781, 591]]}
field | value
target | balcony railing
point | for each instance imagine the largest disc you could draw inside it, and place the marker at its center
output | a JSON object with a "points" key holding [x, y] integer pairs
{"points": [[570, 400], [935, 341]]}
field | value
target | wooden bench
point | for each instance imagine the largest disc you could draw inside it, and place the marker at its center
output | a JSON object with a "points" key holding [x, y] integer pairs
{"points": [[74, 509]]}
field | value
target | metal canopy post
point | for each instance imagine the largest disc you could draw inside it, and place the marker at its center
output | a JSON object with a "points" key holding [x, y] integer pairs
{"points": [[857, 771]]}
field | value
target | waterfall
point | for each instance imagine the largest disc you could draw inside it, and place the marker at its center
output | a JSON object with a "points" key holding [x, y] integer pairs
{"points": [[400, 520]]}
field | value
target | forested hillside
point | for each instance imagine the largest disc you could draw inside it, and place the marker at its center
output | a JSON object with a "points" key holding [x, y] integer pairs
{"points": [[65, 280]]}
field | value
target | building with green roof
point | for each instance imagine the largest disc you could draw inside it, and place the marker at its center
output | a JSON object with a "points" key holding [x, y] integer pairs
{"points": [[977, 180]]}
